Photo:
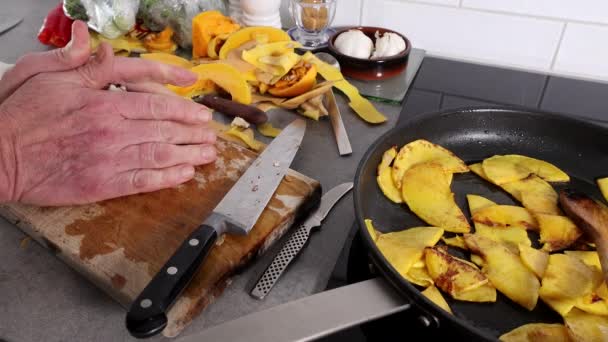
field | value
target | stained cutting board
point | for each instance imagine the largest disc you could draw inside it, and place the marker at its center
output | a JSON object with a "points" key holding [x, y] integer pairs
{"points": [[120, 244]]}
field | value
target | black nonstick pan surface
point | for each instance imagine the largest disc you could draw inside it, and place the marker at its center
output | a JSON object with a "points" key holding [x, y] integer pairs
{"points": [[579, 148]]}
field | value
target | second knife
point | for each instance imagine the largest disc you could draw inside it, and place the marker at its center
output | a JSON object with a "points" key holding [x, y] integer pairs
{"points": [[297, 241]]}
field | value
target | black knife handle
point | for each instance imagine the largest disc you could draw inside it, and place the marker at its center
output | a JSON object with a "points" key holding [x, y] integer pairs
{"points": [[147, 315]]}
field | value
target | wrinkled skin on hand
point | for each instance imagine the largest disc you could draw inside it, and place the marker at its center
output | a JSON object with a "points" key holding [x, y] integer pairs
{"points": [[66, 140]]}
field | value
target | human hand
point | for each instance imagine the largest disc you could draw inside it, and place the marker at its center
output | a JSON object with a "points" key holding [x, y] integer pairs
{"points": [[65, 140]]}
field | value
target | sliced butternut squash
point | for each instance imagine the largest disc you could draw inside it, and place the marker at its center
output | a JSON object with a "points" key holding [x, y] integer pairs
{"points": [[258, 33]]}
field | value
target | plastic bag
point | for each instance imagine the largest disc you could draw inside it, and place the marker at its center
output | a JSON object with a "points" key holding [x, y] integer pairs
{"points": [[111, 18], [178, 14]]}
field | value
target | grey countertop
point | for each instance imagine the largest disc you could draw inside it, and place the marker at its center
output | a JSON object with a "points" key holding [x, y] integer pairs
{"points": [[43, 299]]}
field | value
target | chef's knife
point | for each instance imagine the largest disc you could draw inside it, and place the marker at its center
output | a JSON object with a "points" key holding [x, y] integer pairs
{"points": [[237, 213], [249, 113], [297, 241]]}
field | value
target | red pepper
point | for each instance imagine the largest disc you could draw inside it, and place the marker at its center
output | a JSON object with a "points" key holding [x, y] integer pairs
{"points": [[56, 29]]}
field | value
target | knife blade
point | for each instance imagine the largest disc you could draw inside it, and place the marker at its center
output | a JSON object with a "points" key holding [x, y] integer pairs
{"points": [[297, 240], [236, 213]]}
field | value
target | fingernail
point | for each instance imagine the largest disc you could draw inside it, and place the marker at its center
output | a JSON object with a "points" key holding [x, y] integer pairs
{"points": [[187, 172]]}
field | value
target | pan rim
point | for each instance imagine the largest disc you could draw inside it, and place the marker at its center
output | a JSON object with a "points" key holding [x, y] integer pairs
{"points": [[388, 272]]}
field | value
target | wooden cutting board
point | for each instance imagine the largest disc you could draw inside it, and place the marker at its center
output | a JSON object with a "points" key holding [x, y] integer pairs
{"points": [[120, 244]]}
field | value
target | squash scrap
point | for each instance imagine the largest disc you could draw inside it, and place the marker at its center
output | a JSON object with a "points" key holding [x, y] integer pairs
{"points": [[384, 178], [297, 101], [403, 248], [602, 183], [223, 75], [206, 26], [557, 232], [511, 237], [276, 58], [161, 41], [477, 202], [358, 103], [121, 44], [456, 241], [167, 58], [300, 79], [266, 129], [373, 233], [215, 44], [245, 135], [435, 296], [458, 278], [262, 34], [426, 190], [419, 276], [537, 332]]}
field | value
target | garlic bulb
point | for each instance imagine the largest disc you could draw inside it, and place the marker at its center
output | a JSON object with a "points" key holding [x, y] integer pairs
{"points": [[354, 43], [389, 44]]}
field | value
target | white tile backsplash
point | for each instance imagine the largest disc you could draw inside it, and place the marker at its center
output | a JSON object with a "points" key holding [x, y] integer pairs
{"points": [[455, 3], [584, 51], [526, 34], [461, 33], [584, 10]]}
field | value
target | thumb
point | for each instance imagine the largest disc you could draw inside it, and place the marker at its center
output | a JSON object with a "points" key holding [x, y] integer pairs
{"points": [[73, 55]]}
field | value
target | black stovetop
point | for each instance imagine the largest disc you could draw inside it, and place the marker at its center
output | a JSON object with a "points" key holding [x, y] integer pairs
{"points": [[444, 84]]}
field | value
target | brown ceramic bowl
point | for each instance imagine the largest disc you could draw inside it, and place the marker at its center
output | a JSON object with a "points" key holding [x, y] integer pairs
{"points": [[371, 69]]}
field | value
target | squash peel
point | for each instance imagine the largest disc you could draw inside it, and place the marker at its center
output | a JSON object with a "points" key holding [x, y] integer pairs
{"points": [[245, 135], [238, 38], [223, 75], [358, 103], [207, 25]]}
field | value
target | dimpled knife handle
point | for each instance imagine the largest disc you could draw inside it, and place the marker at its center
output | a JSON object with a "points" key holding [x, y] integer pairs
{"points": [[280, 263]]}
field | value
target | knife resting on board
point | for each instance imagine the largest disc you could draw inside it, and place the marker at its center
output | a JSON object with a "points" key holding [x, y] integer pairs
{"points": [[237, 213]]}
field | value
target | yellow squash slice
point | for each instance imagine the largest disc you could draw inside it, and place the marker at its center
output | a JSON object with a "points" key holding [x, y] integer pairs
{"points": [[458, 278], [585, 327], [505, 216], [567, 277], [435, 296], [384, 178], [422, 151], [373, 233], [426, 190], [402, 249], [535, 194], [477, 202], [502, 169], [456, 241], [557, 232], [536, 260], [537, 332], [506, 271], [603, 185]]}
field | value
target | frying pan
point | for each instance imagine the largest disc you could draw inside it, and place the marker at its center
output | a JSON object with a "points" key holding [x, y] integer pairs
{"points": [[579, 148]]}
